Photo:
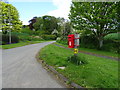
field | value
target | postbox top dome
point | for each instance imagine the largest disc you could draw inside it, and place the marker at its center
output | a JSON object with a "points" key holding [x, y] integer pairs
{"points": [[71, 35]]}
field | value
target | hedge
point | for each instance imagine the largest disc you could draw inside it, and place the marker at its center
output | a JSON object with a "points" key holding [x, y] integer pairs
{"points": [[5, 39], [48, 37]]}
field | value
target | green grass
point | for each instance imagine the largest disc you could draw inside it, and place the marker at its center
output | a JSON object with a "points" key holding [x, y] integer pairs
{"points": [[8, 46], [99, 72], [95, 51]]}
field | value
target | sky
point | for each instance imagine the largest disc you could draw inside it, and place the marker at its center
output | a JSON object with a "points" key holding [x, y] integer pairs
{"points": [[30, 8]]}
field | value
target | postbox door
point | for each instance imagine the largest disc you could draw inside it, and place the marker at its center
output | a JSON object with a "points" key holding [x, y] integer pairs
{"points": [[71, 41], [70, 44]]}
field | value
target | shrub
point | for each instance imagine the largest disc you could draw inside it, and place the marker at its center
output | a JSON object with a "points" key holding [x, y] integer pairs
{"points": [[14, 39], [89, 42], [36, 38], [27, 37], [5, 39], [62, 40], [31, 32], [23, 36], [112, 36], [27, 31], [78, 60], [48, 37], [111, 45]]}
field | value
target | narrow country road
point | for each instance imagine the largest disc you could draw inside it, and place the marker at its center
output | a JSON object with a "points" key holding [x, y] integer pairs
{"points": [[21, 69]]}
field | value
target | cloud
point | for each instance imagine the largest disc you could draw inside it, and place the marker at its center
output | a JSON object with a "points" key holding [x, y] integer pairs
{"points": [[63, 8]]}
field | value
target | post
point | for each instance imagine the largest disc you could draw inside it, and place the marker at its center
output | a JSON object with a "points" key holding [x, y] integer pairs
{"points": [[76, 41], [10, 36]]}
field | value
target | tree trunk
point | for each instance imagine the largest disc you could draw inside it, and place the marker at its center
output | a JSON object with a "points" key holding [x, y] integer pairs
{"points": [[100, 43]]}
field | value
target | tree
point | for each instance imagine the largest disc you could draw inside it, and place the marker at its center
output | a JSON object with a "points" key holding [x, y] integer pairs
{"points": [[46, 23], [64, 27], [9, 18], [99, 17], [31, 22], [118, 15], [67, 28], [49, 23], [38, 25]]}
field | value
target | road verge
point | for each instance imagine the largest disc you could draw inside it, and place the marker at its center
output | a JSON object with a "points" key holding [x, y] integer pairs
{"points": [[60, 76]]}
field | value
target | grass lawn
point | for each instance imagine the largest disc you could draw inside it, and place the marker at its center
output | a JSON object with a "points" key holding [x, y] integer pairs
{"points": [[99, 72], [95, 51], [8, 46]]}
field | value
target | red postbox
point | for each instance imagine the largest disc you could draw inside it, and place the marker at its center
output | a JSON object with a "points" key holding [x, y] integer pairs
{"points": [[71, 41]]}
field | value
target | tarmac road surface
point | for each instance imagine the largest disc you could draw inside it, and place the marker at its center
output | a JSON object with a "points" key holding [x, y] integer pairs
{"points": [[20, 69]]}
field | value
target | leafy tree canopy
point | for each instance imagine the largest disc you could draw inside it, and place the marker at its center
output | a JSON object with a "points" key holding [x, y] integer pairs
{"points": [[46, 23], [9, 18], [99, 17]]}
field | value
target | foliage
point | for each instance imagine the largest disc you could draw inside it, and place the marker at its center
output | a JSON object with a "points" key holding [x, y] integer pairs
{"points": [[27, 37], [30, 32], [49, 23], [38, 25], [9, 18], [5, 39], [112, 36], [78, 60], [27, 31], [67, 29], [52, 25], [62, 40], [31, 22], [22, 36], [48, 37], [55, 32], [46, 23], [99, 17], [88, 42], [97, 73], [111, 45]]}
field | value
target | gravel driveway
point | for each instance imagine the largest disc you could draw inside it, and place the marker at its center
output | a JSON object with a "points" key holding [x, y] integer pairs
{"points": [[21, 69]]}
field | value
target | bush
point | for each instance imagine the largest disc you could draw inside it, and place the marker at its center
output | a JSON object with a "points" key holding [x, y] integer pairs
{"points": [[27, 31], [5, 39], [23, 36], [112, 36], [62, 40], [27, 37], [88, 42], [31, 32], [48, 37], [36, 38], [78, 60], [111, 45]]}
